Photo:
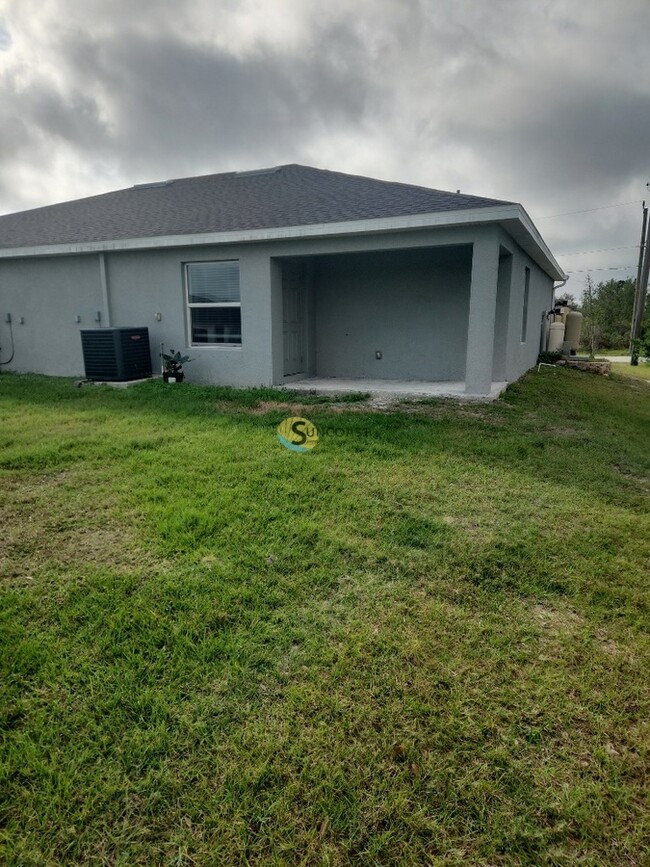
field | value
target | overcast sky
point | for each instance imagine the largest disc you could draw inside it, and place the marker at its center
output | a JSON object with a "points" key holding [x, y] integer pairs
{"points": [[544, 102]]}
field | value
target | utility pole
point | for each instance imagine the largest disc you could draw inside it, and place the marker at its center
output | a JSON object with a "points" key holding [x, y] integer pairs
{"points": [[643, 272]]}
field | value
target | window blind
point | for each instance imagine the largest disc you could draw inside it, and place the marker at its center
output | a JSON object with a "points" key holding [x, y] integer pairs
{"points": [[213, 282]]}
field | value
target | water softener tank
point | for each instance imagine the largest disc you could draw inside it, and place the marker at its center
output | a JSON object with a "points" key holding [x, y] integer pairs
{"points": [[573, 327], [556, 337]]}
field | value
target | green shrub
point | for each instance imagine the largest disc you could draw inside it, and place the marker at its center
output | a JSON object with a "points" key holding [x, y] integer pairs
{"points": [[549, 357]]}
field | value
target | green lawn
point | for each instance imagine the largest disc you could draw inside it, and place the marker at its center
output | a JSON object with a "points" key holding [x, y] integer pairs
{"points": [[638, 371], [425, 642], [604, 353]]}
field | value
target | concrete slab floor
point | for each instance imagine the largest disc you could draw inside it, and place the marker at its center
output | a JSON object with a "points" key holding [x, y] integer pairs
{"points": [[393, 389], [386, 390]]}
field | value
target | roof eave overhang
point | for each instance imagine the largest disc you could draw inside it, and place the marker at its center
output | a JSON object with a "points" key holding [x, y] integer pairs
{"points": [[513, 218]]}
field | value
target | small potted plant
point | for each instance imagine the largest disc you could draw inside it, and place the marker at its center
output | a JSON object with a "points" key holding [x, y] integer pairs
{"points": [[174, 361]]}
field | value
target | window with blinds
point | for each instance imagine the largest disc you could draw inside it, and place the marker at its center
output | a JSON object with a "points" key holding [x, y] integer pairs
{"points": [[213, 303]]}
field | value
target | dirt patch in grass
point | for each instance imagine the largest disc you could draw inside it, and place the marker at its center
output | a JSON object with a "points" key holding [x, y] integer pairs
{"points": [[34, 545], [555, 619], [266, 406], [558, 622], [462, 523], [442, 409], [57, 520], [608, 646], [291, 408]]}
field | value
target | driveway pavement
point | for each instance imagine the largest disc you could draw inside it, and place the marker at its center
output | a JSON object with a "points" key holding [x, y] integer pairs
{"points": [[617, 359]]}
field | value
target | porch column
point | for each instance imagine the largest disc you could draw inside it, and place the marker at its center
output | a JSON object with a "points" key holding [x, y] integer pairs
{"points": [[482, 312], [256, 280], [277, 343]]}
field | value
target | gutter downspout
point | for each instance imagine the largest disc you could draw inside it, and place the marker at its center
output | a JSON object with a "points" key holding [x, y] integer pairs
{"points": [[103, 280]]}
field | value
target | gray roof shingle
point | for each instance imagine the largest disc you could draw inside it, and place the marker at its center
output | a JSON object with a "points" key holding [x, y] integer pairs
{"points": [[290, 195]]}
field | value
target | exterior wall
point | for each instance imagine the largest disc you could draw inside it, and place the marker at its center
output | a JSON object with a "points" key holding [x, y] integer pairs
{"points": [[417, 316], [143, 284], [495, 349], [521, 356], [48, 294], [409, 305]]}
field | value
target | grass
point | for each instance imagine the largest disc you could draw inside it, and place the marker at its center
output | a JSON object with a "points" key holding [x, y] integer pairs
{"points": [[639, 371], [609, 352], [426, 642]]}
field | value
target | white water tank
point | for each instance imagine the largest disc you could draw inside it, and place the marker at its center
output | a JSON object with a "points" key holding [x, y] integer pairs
{"points": [[573, 327], [556, 337]]}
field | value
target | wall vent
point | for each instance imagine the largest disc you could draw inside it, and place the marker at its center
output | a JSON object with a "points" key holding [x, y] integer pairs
{"points": [[116, 354]]}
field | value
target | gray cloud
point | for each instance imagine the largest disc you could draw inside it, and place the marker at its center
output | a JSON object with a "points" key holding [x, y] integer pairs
{"points": [[545, 102], [158, 105], [205, 106], [576, 143]]}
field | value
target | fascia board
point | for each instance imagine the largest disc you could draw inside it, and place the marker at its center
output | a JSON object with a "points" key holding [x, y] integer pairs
{"points": [[532, 231], [504, 214]]}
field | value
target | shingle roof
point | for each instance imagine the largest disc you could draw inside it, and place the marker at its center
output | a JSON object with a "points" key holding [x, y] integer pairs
{"points": [[290, 195]]}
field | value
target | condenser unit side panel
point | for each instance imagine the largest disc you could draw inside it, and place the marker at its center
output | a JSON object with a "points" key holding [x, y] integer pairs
{"points": [[135, 353]]}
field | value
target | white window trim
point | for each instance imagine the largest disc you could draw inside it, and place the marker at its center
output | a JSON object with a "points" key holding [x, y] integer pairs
{"points": [[190, 306]]}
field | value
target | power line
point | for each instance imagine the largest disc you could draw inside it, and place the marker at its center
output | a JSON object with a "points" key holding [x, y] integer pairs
{"points": [[615, 268], [590, 210], [601, 250]]}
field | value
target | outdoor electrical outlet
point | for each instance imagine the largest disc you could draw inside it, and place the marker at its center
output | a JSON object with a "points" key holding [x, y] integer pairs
{"points": [[379, 354], [21, 321]]}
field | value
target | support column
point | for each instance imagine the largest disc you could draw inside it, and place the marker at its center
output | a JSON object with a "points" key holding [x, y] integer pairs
{"points": [[277, 340], [259, 293], [103, 282], [482, 313]]}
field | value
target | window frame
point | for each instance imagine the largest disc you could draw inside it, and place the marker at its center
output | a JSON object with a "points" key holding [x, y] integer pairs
{"points": [[189, 305]]}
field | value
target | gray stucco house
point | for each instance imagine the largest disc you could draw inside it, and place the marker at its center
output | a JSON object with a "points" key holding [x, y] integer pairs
{"points": [[282, 275]]}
